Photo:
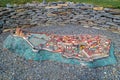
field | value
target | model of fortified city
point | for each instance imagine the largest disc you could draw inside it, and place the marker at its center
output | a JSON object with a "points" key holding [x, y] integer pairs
{"points": [[83, 47]]}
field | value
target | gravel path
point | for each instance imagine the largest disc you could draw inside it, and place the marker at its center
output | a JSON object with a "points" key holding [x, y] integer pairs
{"points": [[13, 67]]}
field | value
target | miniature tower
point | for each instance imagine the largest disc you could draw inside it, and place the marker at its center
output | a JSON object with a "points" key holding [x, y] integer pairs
{"points": [[17, 32], [22, 34]]}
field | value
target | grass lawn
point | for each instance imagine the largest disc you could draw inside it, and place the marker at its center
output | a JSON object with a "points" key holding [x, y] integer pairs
{"points": [[104, 3]]}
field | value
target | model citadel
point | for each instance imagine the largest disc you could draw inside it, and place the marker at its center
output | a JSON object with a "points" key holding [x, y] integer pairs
{"points": [[82, 47]]}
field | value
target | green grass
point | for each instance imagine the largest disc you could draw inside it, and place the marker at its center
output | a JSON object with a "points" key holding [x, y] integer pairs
{"points": [[104, 3]]}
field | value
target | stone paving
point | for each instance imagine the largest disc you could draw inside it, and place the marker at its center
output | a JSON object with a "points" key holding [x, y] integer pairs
{"points": [[86, 15]]}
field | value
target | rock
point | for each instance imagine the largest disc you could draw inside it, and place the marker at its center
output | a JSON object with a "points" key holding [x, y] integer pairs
{"points": [[97, 16], [83, 22], [52, 4], [105, 26], [111, 24], [20, 14], [116, 20], [51, 15], [52, 7], [31, 4], [79, 5], [79, 17], [107, 9], [90, 23], [98, 8], [1, 31], [73, 20], [84, 7], [62, 5], [20, 10], [1, 24], [14, 17], [70, 3], [86, 26], [14, 5], [9, 5], [4, 13], [113, 28], [44, 2], [115, 11], [107, 15], [61, 2]]}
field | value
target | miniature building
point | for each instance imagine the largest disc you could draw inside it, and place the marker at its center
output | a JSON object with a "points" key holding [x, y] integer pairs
{"points": [[19, 32]]}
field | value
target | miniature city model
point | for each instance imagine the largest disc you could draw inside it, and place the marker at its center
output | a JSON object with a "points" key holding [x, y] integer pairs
{"points": [[82, 47]]}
